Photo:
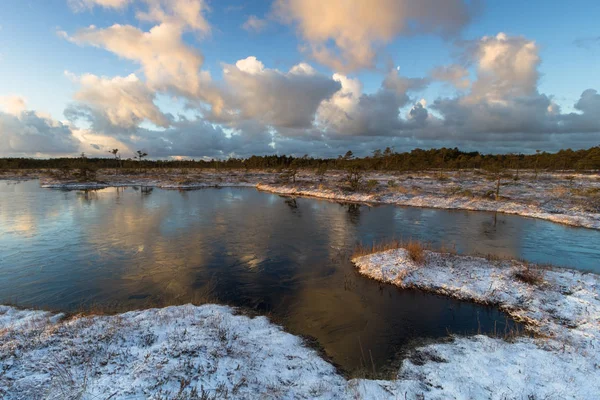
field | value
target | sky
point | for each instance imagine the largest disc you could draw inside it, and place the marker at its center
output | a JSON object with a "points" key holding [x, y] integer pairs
{"points": [[216, 79]]}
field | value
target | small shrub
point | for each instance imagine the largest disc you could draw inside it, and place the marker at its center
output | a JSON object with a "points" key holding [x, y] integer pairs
{"points": [[321, 171], [354, 178], [86, 173], [288, 174], [371, 185], [531, 276], [459, 191]]}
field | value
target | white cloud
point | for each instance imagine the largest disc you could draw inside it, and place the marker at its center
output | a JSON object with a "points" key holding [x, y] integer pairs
{"points": [[167, 62], [187, 14], [123, 101], [80, 5], [13, 104], [507, 67], [357, 28], [271, 97]]}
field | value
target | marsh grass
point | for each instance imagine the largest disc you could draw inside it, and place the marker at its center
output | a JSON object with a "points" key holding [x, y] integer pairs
{"points": [[415, 249], [416, 252], [531, 275]]}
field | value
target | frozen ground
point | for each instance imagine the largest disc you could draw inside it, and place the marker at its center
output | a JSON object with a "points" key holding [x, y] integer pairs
{"points": [[567, 198], [187, 351], [560, 306], [175, 352]]}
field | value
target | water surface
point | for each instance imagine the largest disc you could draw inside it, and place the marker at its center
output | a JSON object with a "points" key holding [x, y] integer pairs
{"points": [[129, 248]]}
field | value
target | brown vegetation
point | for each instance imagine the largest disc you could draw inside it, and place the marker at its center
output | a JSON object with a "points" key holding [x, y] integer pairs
{"points": [[415, 249], [530, 275], [416, 252]]}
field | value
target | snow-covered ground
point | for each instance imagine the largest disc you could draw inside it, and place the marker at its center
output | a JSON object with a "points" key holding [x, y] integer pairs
{"points": [[560, 306], [187, 351], [566, 198], [158, 353], [571, 199]]}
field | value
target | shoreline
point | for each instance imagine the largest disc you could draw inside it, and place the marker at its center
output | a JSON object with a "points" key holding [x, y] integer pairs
{"points": [[216, 351], [561, 307], [589, 221], [558, 198]]}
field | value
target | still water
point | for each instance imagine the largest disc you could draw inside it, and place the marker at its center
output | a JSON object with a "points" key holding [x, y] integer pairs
{"points": [[128, 248]]}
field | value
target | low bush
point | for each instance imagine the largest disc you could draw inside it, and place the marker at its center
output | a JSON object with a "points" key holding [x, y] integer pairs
{"points": [[371, 185], [531, 276]]}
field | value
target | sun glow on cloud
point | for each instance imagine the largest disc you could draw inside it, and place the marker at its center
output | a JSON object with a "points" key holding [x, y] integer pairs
{"points": [[316, 106]]}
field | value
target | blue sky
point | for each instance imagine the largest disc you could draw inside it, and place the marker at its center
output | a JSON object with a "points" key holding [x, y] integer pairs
{"points": [[39, 42]]}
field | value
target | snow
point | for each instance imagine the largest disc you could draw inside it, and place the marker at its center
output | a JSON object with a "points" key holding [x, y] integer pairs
{"points": [[156, 354], [547, 199], [562, 360], [179, 352]]}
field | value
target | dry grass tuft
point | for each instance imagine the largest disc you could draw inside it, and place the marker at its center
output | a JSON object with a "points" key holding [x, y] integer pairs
{"points": [[362, 250], [416, 252], [415, 249], [529, 275]]}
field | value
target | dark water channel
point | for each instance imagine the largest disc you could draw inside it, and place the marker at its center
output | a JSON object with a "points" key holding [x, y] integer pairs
{"points": [[129, 248]]}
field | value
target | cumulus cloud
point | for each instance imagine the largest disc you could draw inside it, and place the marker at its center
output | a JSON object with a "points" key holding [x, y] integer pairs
{"points": [[26, 132], [167, 62], [123, 101], [272, 97], [169, 65], [80, 5], [454, 74], [401, 85], [504, 103], [254, 24], [13, 104], [507, 67], [260, 110], [187, 14], [356, 29], [353, 113]]}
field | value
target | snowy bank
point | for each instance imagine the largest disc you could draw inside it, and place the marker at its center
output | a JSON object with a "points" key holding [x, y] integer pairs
{"points": [[157, 353], [189, 352], [561, 306], [441, 199], [566, 198]]}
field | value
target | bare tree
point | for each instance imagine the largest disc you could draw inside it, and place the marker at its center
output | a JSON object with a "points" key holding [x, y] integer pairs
{"points": [[140, 156], [537, 159], [115, 152]]}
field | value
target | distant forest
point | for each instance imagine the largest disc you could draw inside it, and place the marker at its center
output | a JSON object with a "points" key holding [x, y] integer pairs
{"points": [[385, 160]]}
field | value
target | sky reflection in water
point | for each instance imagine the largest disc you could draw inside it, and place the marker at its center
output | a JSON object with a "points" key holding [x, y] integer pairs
{"points": [[129, 248]]}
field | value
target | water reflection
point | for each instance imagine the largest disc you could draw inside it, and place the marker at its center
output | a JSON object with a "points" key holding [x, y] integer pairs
{"points": [[285, 256]]}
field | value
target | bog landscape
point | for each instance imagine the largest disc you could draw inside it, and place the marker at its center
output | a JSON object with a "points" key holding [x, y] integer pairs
{"points": [[338, 214]]}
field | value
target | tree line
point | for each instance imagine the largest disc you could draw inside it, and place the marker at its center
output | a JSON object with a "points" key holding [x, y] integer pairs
{"points": [[382, 160]]}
